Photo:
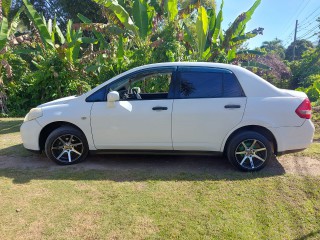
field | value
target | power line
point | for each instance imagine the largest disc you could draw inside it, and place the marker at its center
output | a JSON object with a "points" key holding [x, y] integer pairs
{"points": [[304, 8], [295, 13], [310, 31], [309, 27], [311, 14], [301, 27]]}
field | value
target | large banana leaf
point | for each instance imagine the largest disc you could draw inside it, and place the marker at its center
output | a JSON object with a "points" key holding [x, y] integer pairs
{"points": [[202, 29], [217, 26], [188, 35], [172, 8], [238, 26], [121, 14], [60, 35], [140, 17], [72, 40], [6, 5], [231, 54], [4, 33], [39, 23], [247, 17], [15, 21]]}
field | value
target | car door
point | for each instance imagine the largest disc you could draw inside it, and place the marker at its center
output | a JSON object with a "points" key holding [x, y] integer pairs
{"points": [[209, 103], [142, 117]]}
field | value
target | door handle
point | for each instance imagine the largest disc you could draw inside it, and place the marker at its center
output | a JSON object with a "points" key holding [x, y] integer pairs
{"points": [[232, 106], [159, 108]]}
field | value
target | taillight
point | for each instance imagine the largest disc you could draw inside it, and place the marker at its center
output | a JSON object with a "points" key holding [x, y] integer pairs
{"points": [[304, 109]]}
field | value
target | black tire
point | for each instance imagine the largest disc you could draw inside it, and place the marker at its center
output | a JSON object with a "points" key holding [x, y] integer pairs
{"points": [[249, 151], [66, 145]]}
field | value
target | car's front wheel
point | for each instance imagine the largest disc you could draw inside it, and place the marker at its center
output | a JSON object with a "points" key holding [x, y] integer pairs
{"points": [[249, 151], [66, 145]]}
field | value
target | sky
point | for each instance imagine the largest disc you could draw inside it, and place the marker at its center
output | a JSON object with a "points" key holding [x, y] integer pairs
{"points": [[277, 17]]}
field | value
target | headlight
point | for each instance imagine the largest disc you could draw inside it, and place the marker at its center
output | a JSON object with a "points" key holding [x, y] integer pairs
{"points": [[33, 114]]}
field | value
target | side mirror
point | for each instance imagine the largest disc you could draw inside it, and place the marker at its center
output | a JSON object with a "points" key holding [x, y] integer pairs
{"points": [[113, 96]]}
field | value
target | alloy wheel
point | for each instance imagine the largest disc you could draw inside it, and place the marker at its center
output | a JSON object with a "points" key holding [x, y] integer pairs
{"points": [[67, 148], [251, 154]]}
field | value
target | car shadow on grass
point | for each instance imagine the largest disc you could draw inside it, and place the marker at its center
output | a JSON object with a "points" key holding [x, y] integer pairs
{"points": [[12, 126], [122, 168]]}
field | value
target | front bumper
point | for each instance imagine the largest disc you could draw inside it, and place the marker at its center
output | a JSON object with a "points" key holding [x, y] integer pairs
{"points": [[30, 132]]}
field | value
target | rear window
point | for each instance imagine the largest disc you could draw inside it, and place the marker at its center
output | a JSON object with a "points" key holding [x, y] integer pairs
{"points": [[202, 84], [231, 86]]}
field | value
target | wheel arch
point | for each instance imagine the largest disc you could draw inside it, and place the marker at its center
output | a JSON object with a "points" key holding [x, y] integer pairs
{"points": [[49, 128], [259, 129]]}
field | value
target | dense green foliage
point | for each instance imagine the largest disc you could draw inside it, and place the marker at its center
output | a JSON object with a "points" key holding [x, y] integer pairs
{"points": [[45, 58], [61, 58]]}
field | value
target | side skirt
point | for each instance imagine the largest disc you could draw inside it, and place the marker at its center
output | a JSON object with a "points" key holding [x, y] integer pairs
{"points": [[156, 152]]}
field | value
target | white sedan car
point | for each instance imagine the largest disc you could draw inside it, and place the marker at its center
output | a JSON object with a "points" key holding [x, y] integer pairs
{"points": [[188, 108]]}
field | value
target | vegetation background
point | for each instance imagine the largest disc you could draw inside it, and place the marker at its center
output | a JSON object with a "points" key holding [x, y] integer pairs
{"points": [[51, 49]]}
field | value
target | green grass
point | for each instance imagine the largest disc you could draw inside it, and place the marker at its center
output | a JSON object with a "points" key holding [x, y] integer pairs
{"points": [[68, 203], [10, 140], [137, 205]]}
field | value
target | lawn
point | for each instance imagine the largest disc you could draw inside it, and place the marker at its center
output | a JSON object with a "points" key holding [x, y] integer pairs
{"points": [[152, 202]]}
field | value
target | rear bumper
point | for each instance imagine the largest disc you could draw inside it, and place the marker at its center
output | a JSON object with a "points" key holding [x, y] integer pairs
{"points": [[294, 139], [30, 132]]}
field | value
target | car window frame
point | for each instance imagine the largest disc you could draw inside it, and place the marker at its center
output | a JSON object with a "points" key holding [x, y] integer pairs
{"points": [[143, 72], [204, 69]]}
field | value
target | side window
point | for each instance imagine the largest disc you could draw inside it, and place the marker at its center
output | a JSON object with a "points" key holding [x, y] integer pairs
{"points": [[231, 86], [98, 96], [200, 84], [150, 85], [147, 86], [153, 83]]}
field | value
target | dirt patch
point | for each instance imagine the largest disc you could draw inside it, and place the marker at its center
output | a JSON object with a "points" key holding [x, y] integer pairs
{"points": [[172, 164]]}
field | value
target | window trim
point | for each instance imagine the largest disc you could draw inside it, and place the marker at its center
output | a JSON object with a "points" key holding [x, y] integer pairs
{"points": [[204, 69]]}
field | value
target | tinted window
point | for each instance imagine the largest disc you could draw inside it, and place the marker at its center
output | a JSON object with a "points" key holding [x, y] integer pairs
{"points": [[231, 86], [98, 96], [200, 84]]}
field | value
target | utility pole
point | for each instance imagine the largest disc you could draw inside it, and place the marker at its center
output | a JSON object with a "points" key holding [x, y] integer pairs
{"points": [[294, 41]]}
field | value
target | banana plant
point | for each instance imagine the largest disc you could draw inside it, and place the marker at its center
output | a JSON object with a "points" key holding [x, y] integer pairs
{"points": [[210, 40], [52, 37], [7, 29], [141, 22]]}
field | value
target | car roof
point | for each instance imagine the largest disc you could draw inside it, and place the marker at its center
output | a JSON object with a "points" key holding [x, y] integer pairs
{"points": [[252, 84], [187, 64]]}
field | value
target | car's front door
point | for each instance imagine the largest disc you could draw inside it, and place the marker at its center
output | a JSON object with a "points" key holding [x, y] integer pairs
{"points": [[142, 117], [209, 104]]}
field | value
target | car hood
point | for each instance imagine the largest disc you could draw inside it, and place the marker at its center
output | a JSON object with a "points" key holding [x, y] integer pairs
{"points": [[58, 101]]}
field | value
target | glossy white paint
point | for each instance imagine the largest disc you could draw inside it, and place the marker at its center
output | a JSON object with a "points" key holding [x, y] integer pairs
{"points": [[201, 124], [132, 125], [189, 124], [74, 110]]}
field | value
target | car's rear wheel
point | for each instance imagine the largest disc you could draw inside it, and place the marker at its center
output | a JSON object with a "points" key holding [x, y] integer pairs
{"points": [[249, 151], [66, 145]]}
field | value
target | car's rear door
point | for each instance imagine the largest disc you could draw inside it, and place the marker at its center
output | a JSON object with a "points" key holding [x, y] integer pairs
{"points": [[209, 102]]}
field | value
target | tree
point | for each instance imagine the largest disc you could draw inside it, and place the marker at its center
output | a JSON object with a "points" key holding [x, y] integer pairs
{"points": [[278, 74], [65, 10], [274, 47], [300, 47], [303, 69], [7, 29]]}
